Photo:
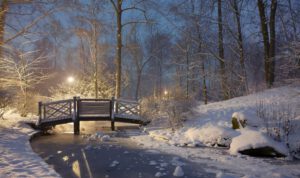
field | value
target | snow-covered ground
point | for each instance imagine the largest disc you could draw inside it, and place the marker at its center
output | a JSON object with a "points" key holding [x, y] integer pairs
{"points": [[16, 156], [210, 125]]}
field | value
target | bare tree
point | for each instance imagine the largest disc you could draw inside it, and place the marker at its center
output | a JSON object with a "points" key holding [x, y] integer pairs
{"points": [[119, 11], [22, 71], [240, 42], [224, 85]]}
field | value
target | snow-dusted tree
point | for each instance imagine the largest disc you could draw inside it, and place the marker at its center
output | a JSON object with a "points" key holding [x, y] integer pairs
{"points": [[288, 63], [21, 70]]}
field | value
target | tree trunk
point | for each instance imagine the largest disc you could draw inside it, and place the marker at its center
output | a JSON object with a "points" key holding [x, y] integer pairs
{"points": [[240, 46], [269, 46], [221, 53], [138, 83], [3, 11], [95, 56], [204, 88], [187, 72], [272, 40], [119, 49], [295, 37]]}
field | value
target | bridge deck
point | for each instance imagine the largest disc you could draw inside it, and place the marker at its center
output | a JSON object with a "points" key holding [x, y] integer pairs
{"points": [[76, 110]]}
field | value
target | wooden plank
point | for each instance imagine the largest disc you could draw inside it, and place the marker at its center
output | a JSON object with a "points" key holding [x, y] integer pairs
{"points": [[97, 118], [91, 99], [96, 108], [55, 122]]}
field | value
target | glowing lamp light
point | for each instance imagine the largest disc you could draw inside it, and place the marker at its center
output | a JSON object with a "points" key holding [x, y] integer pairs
{"points": [[70, 79], [166, 92]]}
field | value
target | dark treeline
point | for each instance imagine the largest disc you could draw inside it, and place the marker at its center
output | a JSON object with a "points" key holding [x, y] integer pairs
{"points": [[189, 49]]}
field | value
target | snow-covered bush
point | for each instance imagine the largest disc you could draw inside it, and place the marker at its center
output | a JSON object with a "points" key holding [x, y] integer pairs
{"points": [[278, 119], [4, 102], [211, 135]]}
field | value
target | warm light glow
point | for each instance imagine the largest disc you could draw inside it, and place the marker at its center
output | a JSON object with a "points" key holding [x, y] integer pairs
{"points": [[166, 92], [70, 79]]}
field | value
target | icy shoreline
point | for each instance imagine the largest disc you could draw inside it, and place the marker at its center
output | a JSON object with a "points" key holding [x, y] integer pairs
{"points": [[17, 157]]}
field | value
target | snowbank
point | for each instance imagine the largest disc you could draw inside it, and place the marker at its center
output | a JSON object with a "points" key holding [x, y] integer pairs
{"points": [[251, 139], [211, 135], [17, 158]]}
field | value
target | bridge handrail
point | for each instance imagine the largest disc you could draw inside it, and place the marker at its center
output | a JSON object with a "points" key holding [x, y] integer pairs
{"points": [[57, 102], [49, 110], [92, 99]]}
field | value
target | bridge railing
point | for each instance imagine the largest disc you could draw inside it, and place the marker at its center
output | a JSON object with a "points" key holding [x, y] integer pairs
{"points": [[57, 110], [128, 108], [77, 109]]}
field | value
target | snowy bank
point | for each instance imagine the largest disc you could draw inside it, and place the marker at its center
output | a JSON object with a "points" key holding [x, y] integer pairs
{"points": [[211, 125], [17, 158]]}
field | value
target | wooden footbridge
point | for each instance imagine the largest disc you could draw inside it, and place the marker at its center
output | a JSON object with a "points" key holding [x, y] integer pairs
{"points": [[77, 109]]}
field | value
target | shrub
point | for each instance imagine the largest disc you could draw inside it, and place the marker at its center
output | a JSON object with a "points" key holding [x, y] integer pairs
{"points": [[278, 120], [172, 109], [4, 103]]}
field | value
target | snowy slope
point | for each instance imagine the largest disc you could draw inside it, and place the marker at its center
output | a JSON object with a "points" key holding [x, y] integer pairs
{"points": [[211, 126], [212, 123], [16, 156]]}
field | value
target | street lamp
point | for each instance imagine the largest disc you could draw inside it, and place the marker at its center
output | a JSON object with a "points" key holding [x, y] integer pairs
{"points": [[166, 93], [70, 79]]}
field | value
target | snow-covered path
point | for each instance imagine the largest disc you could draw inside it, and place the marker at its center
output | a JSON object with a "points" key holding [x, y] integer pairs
{"points": [[16, 156]]}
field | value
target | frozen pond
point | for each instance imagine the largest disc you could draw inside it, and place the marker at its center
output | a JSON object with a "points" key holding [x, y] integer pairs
{"points": [[77, 156]]}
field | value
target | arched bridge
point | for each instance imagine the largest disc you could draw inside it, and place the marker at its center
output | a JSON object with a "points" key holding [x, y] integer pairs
{"points": [[77, 109]]}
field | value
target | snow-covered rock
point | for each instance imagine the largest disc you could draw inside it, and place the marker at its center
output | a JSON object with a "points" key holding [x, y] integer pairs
{"points": [[211, 135], [105, 138], [178, 172], [238, 120], [252, 139]]}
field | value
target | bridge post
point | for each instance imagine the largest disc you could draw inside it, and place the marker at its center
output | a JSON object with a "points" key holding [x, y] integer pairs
{"points": [[40, 112], [76, 116], [112, 113]]}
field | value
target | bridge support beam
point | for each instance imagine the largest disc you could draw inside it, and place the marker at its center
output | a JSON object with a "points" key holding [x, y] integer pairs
{"points": [[76, 116], [76, 127], [112, 125]]}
